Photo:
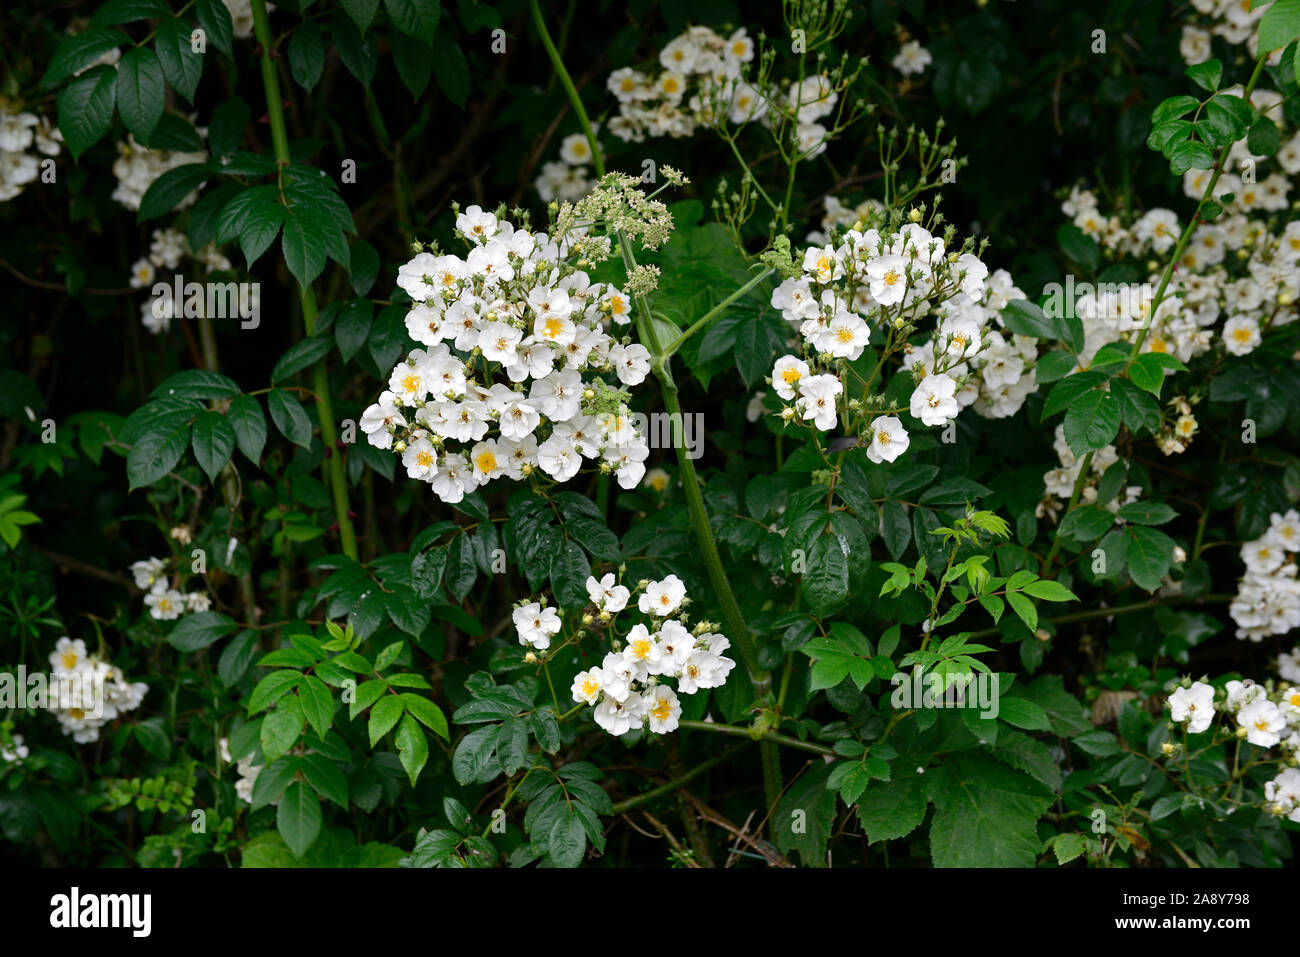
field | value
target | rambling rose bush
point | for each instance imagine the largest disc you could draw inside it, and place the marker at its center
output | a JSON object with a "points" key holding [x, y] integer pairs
{"points": [[867, 452]]}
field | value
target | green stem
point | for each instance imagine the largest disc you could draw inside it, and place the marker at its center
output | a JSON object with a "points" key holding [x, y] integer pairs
{"points": [[1186, 237], [716, 311], [770, 737], [567, 82], [307, 295], [737, 629], [1092, 613]]}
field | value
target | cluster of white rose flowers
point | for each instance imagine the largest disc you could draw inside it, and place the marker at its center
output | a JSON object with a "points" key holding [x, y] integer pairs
{"points": [[1059, 482], [1236, 270], [1267, 716], [165, 603], [87, 692], [519, 308], [860, 279], [167, 249], [628, 690], [23, 136], [1232, 20], [137, 167], [699, 69], [1268, 595], [568, 179]]}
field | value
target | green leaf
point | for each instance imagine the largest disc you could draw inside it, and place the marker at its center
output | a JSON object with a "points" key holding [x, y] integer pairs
{"points": [[1024, 609], [360, 54], [412, 747], [86, 108], [383, 716], [1148, 371], [450, 67], [362, 12], [825, 578], [299, 818], [414, 62], [249, 424], [325, 778], [170, 188], [1189, 155], [415, 18], [1069, 846], [197, 384], [1022, 713], [197, 631], [157, 452], [214, 441], [280, 731], [1079, 246], [1092, 421], [1264, 138], [289, 417], [1049, 591], [80, 51], [474, 755], [236, 657], [304, 244], [893, 809], [1280, 25], [215, 19], [141, 91], [1147, 513], [306, 55], [1172, 108], [317, 704], [299, 356], [273, 687], [365, 267], [1137, 409], [805, 816], [352, 326], [427, 713], [1149, 554], [226, 128], [368, 692], [1066, 392], [567, 840], [1206, 75], [985, 813], [180, 64], [1087, 523]]}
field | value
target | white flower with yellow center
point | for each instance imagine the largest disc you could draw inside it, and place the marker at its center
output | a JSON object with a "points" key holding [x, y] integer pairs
{"points": [[787, 374], [1263, 721], [662, 597], [1194, 705], [662, 709], [535, 625], [587, 685], [889, 439], [933, 400], [887, 278]]}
